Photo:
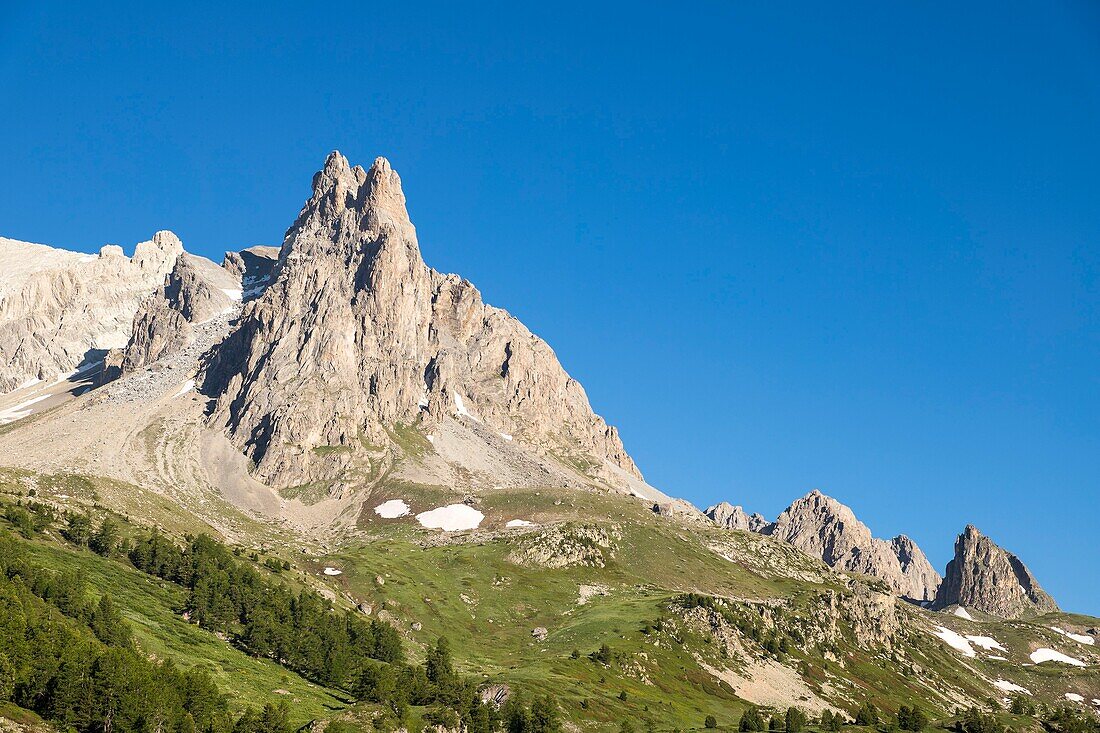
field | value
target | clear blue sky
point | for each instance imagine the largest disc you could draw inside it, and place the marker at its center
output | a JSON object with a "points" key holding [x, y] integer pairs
{"points": [[784, 246]]}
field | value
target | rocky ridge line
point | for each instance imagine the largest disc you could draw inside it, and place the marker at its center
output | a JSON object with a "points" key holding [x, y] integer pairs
{"points": [[194, 292], [824, 528]]}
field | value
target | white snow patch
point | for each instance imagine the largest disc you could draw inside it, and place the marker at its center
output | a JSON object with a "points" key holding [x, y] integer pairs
{"points": [[392, 509], [506, 436], [422, 403], [962, 613], [955, 641], [184, 388], [986, 642], [233, 293], [431, 439], [519, 523], [1073, 696], [1010, 687], [451, 518], [1096, 701], [1083, 638], [1049, 655], [460, 407], [999, 659], [29, 383], [21, 410], [333, 571]]}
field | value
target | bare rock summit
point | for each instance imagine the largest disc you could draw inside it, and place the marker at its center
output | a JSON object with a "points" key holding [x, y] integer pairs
{"points": [[823, 527], [355, 335], [988, 578]]}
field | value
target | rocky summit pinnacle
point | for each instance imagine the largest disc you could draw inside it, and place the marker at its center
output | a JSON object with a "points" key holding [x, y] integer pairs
{"points": [[988, 578], [356, 335], [823, 527]]}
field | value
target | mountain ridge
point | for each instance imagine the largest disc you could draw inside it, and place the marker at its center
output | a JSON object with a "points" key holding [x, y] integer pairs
{"points": [[822, 527], [427, 352]]}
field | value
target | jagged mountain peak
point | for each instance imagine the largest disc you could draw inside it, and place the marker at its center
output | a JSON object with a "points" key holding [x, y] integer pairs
{"points": [[356, 334], [354, 196], [729, 516], [984, 576], [194, 292], [826, 528]]}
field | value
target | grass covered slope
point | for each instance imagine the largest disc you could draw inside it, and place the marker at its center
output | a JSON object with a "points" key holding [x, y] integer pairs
{"points": [[153, 610], [613, 612], [603, 569]]}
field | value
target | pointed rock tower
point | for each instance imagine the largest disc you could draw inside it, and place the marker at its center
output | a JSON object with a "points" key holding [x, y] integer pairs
{"points": [[986, 577], [355, 335]]}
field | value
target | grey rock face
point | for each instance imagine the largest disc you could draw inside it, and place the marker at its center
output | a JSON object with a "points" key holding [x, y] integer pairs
{"points": [[985, 577], [58, 308], [194, 292], [915, 567], [825, 528], [729, 516], [355, 334]]}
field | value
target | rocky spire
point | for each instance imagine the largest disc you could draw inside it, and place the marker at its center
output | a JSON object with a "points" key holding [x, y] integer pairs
{"points": [[355, 334], [985, 577], [823, 527]]}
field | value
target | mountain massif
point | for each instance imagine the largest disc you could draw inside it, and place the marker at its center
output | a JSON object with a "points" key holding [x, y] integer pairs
{"points": [[362, 442], [356, 333]]}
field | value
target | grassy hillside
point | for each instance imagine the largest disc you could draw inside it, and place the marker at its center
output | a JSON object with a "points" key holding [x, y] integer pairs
{"points": [[529, 607]]}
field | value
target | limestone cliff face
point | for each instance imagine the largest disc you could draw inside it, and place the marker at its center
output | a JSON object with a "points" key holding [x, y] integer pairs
{"points": [[59, 309], [195, 291], [729, 516], [985, 577], [356, 334], [823, 527]]}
